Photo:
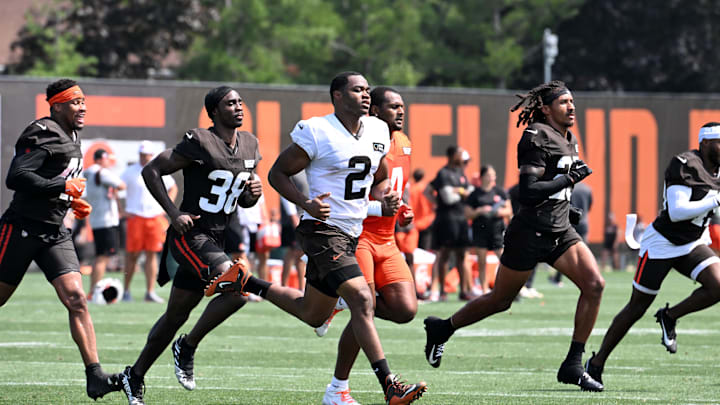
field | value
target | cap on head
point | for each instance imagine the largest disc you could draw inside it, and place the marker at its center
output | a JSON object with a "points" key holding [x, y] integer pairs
{"points": [[213, 97], [465, 156], [146, 148], [711, 130], [99, 154]]}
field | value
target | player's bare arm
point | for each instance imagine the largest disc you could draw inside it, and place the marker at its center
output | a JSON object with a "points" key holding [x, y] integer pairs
{"points": [[381, 190], [290, 162], [251, 194], [165, 163]]}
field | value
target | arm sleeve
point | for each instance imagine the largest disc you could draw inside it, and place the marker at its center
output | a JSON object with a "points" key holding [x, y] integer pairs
{"points": [[680, 208], [22, 174], [532, 190]]}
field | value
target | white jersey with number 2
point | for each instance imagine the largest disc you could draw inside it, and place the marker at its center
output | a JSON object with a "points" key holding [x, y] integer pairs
{"points": [[342, 165]]}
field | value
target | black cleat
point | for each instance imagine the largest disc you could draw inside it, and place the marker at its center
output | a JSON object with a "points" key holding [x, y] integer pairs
{"points": [[184, 361], [667, 324], [99, 385], [574, 374], [133, 387], [436, 338], [594, 371]]}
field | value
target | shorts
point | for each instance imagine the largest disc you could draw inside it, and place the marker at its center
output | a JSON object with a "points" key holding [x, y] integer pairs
{"points": [[650, 273], [526, 247], [54, 254], [408, 241], [145, 234], [450, 233], [331, 256], [609, 241], [715, 236], [490, 239], [107, 240], [382, 263], [288, 238], [196, 253]]}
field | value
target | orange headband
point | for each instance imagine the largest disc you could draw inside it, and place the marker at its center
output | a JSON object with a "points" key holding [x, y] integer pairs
{"points": [[66, 95]]}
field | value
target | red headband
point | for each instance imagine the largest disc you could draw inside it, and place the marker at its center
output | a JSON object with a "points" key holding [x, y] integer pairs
{"points": [[66, 95]]}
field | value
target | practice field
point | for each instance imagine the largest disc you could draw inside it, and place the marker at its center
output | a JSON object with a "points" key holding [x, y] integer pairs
{"points": [[263, 356]]}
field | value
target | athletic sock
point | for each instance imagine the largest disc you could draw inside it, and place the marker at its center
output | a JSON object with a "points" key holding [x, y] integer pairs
{"points": [[574, 355], [382, 370], [135, 375], [257, 286], [93, 369], [339, 385]]}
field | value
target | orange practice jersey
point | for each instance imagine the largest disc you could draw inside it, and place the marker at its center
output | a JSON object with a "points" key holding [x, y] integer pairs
{"points": [[382, 229]]}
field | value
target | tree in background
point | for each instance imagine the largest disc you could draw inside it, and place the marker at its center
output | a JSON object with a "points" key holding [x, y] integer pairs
{"points": [[635, 46], [107, 38]]}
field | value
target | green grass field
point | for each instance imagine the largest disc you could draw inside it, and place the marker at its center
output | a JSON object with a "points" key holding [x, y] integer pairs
{"points": [[263, 356]]}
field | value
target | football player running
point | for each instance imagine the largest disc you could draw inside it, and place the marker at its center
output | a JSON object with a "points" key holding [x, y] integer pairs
{"points": [[678, 238], [44, 174], [541, 231], [343, 155], [377, 253]]}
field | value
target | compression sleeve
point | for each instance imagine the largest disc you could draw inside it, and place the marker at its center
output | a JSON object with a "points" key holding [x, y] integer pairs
{"points": [[680, 208], [532, 190], [22, 174]]}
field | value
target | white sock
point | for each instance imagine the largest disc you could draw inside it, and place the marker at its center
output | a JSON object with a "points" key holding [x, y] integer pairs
{"points": [[341, 385]]}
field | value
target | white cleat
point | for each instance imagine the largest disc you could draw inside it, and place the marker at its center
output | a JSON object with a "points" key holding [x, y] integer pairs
{"points": [[321, 330], [335, 397]]}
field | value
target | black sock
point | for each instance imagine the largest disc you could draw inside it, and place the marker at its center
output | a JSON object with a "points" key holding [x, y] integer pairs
{"points": [[184, 343], [382, 370], [574, 355], [133, 374], [94, 369], [257, 286]]}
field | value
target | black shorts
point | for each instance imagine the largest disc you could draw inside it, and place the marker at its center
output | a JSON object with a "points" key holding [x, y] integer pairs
{"points": [[236, 239], [288, 238], [525, 247], [54, 253], [490, 239], [196, 253], [650, 273], [450, 233], [107, 240], [331, 256]]}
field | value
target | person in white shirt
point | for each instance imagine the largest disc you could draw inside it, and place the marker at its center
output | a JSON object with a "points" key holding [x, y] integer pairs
{"points": [[146, 223], [101, 193]]}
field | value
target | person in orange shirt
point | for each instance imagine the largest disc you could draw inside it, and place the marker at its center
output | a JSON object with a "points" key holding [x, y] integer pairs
{"points": [[416, 234], [377, 253]]}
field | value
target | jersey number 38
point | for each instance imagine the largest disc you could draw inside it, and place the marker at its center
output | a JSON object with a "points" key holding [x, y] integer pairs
{"points": [[224, 192]]}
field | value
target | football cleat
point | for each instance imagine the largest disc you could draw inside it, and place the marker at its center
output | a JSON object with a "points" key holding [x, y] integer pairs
{"points": [[98, 386], [321, 330], [133, 388], [231, 280], [184, 362], [667, 324], [575, 374], [335, 397], [594, 371], [436, 338], [400, 393]]}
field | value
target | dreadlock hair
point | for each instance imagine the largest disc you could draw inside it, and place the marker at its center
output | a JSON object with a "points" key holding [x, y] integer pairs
{"points": [[533, 101]]}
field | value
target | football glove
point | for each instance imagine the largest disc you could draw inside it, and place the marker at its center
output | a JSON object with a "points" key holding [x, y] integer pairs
{"points": [[578, 171], [81, 208], [75, 187]]}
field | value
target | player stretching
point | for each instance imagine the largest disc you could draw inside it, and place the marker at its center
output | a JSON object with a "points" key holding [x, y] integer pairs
{"points": [[217, 164], [547, 155], [677, 239], [377, 254], [343, 156], [44, 175]]}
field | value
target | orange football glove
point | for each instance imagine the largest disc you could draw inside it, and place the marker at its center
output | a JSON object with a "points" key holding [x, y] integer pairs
{"points": [[81, 208], [75, 187]]}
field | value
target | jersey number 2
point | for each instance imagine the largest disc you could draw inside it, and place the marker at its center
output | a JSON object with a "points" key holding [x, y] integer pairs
{"points": [[354, 161], [226, 193]]}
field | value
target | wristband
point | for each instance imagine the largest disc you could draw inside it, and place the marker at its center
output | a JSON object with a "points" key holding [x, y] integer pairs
{"points": [[375, 208]]}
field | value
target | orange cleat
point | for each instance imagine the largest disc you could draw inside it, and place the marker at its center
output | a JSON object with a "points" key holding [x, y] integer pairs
{"points": [[232, 280]]}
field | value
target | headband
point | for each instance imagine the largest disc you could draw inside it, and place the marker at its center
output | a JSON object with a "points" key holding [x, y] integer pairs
{"points": [[547, 100], [66, 95], [709, 133]]}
